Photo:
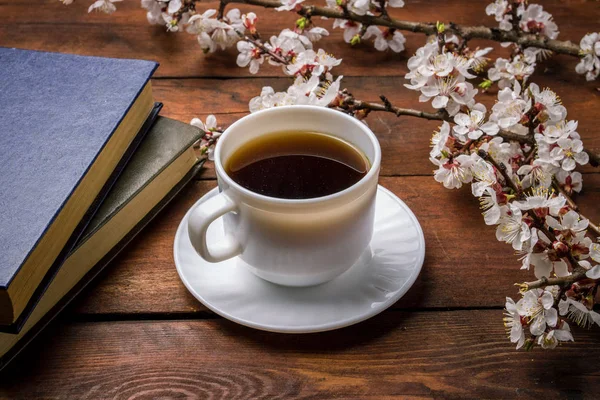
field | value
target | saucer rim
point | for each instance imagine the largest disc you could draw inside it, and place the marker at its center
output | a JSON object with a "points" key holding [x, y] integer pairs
{"points": [[307, 328]]}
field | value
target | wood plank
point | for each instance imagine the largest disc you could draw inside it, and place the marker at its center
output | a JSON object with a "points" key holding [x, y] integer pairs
{"points": [[464, 265], [405, 141], [126, 33], [461, 354]]}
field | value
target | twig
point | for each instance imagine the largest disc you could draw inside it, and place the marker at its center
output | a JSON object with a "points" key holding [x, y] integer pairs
{"points": [[362, 105], [593, 227], [221, 11], [562, 191], [563, 281], [466, 32], [502, 169], [263, 48]]}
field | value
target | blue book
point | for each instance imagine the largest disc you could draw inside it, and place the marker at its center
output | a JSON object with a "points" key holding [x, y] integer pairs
{"points": [[67, 124]]}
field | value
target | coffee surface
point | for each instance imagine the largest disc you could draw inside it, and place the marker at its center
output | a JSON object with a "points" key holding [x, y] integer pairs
{"points": [[297, 165]]}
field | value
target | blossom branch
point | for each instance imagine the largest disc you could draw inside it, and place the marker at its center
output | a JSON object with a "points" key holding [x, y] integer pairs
{"points": [[364, 105], [562, 282], [466, 32], [440, 116]]}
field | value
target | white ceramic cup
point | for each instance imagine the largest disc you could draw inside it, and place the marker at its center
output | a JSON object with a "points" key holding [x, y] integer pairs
{"points": [[286, 241]]}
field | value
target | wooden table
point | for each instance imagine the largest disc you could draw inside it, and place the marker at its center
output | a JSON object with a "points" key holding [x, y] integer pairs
{"points": [[138, 333]]}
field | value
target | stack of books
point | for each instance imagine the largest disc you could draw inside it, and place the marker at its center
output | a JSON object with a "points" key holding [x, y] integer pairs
{"points": [[85, 163]]}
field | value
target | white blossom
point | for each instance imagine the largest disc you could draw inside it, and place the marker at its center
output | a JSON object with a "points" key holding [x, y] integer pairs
{"points": [[544, 266], [595, 252], [199, 23], [570, 224], [510, 110], [213, 34], [351, 28], [534, 19], [561, 130], [453, 173], [473, 125], [484, 175], [395, 3], [506, 72], [385, 39], [550, 340], [154, 14], [439, 140], [105, 6], [590, 53], [316, 33], [328, 92], [249, 55], [492, 211], [547, 103], [174, 6], [512, 229], [536, 304], [208, 142], [268, 99], [527, 252], [499, 9], [512, 321], [549, 159], [359, 7], [439, 65], [287, 45], [289, 5], [311, 91], [448, 93], [316, 63], [571, 181], [542, 199], [571, 152], [578, 312], [500, 150], [536, 173]]}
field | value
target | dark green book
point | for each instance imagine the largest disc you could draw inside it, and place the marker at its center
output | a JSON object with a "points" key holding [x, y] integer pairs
{"points": [[164, 162]]}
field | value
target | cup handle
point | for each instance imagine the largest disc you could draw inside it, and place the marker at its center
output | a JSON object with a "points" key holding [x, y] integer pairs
{"points": [[199, 221]]}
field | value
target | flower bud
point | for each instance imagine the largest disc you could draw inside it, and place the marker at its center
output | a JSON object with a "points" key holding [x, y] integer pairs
{"points": [[486, 84], [361, 114], [301, 23], [561, 249], [355, 40]]}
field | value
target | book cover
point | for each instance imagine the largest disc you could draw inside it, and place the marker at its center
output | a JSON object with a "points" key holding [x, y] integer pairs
{"points": [[60, 114], [80, 229], [162, 165]]}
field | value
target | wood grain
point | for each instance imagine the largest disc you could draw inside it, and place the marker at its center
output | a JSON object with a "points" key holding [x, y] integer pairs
{"points": [[405, 141], [126, 33], [459, 354], [181, 350], [465, 266]]}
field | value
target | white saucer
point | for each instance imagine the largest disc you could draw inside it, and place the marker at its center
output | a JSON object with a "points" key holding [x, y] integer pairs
{"points": [[383, 274]]}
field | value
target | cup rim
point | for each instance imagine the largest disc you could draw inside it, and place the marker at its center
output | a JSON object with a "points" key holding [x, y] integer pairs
{"points": [[373, 170]]}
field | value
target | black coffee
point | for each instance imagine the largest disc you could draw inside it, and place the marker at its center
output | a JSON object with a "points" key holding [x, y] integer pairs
{"points": [[297, 165]]}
